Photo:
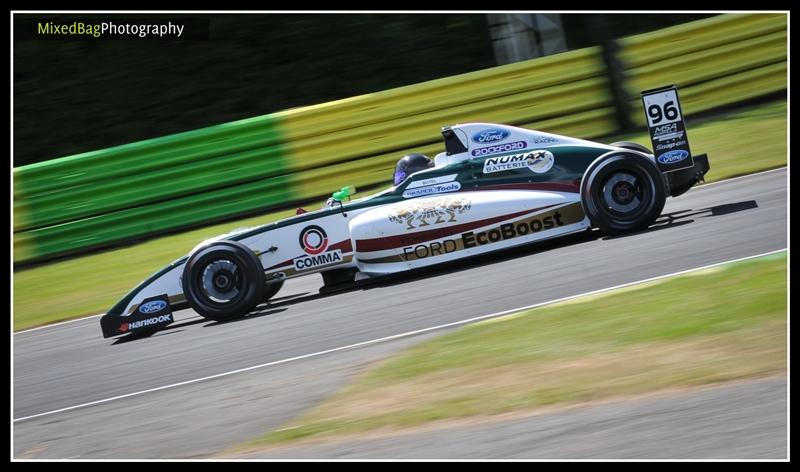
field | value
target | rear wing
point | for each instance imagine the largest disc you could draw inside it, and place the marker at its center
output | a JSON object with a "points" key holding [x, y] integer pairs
{"points": [[670, 141]]}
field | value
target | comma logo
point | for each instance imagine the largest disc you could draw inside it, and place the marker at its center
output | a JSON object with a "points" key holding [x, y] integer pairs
{"points": [[310, 262], [313, 240]]}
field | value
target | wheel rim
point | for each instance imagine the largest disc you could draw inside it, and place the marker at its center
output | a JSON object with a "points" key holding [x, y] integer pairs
{"points": [[624, 194], [220, 281]]}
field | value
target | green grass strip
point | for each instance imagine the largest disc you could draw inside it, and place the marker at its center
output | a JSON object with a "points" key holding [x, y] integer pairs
{"points": [[714, 325]]}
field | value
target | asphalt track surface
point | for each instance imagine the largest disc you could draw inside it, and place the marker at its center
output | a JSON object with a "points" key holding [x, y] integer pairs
{"points": [[70, 364], [744, 420]]}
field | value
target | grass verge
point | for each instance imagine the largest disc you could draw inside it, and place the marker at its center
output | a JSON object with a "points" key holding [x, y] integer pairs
{"points": [[700, 328], [737, 143]]}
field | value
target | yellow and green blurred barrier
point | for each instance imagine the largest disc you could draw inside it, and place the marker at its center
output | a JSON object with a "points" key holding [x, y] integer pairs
{"points": [[717, 61], [164, 184]]}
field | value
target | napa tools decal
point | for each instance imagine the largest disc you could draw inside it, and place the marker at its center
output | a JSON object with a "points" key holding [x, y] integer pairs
{"points": [[432, 189], [667, 129]]}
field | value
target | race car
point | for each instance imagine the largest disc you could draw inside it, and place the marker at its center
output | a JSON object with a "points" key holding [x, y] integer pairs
{"points": [[494, 187]]}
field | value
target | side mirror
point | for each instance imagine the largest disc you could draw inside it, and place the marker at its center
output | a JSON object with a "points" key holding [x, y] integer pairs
{"points": [[344, 193]]}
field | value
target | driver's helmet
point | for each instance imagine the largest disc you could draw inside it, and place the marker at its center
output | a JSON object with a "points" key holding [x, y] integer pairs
{"points": [[409, 164]]}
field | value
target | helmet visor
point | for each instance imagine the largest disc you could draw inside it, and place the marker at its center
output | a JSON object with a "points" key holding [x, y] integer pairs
{"points": [[399, 176]]}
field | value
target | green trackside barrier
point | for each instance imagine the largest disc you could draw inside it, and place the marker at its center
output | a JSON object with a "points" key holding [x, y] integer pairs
{"points": [[561, 90], [152, 219], [144, 155], [57, 191], [139, 189], [409, 101], [163, 184], [62, 206], [711, 32]]}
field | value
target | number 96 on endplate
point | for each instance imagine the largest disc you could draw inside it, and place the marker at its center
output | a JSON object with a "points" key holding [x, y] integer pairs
{"points": [[667, 129]]}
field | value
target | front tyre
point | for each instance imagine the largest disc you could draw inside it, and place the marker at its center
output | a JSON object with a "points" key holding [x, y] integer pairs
{"points": [[223, 281], [623, 192], [271, 289]]}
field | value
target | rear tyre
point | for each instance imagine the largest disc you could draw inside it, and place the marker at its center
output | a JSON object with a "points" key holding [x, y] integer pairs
{"points": [[632, 146], [223, 281], [623, 192]]}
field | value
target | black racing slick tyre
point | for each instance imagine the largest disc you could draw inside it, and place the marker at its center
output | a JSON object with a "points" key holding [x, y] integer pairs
{"points": [[223, 281], [271, 289], [623, 192], [631, 145]]}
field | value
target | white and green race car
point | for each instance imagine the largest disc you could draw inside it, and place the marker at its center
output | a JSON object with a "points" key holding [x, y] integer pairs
{"points": [[494, 187]]}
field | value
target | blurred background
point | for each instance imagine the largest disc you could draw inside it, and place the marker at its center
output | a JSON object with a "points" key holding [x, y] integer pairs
{"points": [[128, 152], [72, 96]]}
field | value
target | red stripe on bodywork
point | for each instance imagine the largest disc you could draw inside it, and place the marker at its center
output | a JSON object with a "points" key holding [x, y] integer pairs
{"points": [[345, 246], [391, 242]]}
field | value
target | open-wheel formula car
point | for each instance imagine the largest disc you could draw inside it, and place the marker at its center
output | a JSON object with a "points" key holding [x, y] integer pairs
{"points": [[494, 187]]}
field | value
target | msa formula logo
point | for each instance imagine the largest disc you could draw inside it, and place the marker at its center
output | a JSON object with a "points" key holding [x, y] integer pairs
{"points": [[671, 157], [432, 189], [491, 135], [311, 262], [125, 327], [537, 161], [152, 307], [507, 147], [313, 240], [665, 132]]}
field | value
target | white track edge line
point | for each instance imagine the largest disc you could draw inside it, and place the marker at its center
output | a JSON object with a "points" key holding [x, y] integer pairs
{"points": [[693, 188], [389, 338], [709, 184], [53, 325]]}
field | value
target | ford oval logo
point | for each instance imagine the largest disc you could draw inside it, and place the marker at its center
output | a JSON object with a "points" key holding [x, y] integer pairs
{"points": [[671, 157], [152, 307], [492, 135]]}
